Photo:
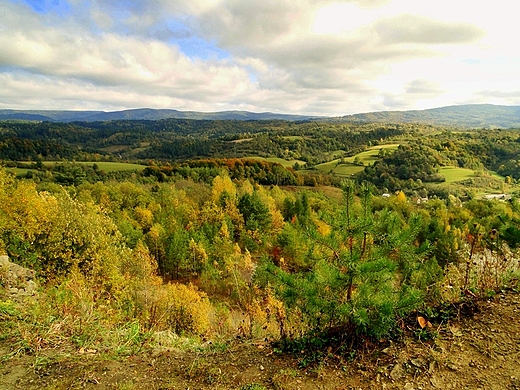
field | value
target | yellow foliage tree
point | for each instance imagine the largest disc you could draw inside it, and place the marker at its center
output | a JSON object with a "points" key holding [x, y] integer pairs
{"points": [[221, 185], [401, 197]]}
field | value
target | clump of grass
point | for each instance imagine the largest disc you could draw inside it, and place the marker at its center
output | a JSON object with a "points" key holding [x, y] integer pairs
{"points": [[253, 386]]}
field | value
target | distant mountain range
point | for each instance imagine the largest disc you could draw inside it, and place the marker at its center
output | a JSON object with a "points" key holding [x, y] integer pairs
{"points": [[471, 115], [141, 114]]}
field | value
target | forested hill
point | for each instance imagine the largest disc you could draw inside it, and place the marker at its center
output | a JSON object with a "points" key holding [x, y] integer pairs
{"points": [[470, 115], [142, 114]]}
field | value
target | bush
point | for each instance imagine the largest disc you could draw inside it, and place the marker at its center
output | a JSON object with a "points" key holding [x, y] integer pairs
{"points": [[177, 307]]}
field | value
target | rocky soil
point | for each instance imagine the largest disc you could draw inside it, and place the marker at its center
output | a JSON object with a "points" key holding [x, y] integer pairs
{"points": [[481, 351]]}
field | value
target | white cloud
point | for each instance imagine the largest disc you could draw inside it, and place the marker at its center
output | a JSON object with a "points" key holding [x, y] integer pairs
{"points": [[301, 56]]}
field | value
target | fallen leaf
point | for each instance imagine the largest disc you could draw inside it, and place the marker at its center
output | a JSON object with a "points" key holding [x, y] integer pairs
{"points": [[422, 322]]}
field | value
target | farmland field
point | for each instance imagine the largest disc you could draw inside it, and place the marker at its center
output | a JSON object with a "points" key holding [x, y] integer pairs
{"points": [[371, 155], [342, 169], [281, 161], [348, 169], [293, 137], [453, 174], [336, 153], [106, 166]]}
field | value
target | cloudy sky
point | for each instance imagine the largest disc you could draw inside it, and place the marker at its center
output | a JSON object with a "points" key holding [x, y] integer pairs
{"points": [[316, 57]]}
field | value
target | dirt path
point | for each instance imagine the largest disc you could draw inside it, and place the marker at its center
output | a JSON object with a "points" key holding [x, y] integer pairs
{"points": [[482, 352]]}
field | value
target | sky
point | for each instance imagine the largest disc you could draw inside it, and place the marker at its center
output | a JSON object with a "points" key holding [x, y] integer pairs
{"points": [[310, 57]]}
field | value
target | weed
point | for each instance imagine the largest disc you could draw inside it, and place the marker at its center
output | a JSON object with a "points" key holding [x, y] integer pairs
{"points": [[8, 308], [425, 334], [253, 386], [126, 386], [285, 379], [213, 347], [213, 376]]}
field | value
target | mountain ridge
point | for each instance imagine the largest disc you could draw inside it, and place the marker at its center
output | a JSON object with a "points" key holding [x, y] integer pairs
{"points": [[141, 114], [469, 115]]}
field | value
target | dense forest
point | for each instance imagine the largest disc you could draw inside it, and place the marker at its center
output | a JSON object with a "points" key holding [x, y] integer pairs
{"points": [[175, 139], [207, 244], [173, 147]]}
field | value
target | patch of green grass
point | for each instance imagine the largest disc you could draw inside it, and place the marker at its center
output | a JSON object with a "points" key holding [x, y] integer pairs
{"points": [[343, 169], [253, 386], [281, 161], [348, 169], [8, 308], [371, 155], [106, 166], [18, 171], [293, 137], [454, 174], [368, 157], [115, 148], [102, 166], [336, 153], [385, 146], [327, 167], [115, 166]]}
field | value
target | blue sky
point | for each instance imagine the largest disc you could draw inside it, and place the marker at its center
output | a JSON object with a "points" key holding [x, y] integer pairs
{"points": [[316, 57]]}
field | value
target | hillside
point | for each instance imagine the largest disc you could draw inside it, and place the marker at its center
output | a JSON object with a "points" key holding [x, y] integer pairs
{"points": [[470, 116]]}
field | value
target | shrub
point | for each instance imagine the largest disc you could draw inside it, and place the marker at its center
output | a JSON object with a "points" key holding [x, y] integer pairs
{"points": [[178, 307]]}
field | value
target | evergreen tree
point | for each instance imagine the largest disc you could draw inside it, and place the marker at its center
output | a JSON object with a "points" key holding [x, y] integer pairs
{"points": [[364, 274]]}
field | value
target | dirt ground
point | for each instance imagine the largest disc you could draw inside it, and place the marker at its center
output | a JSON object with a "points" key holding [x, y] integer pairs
{"points": [[477, 352]]}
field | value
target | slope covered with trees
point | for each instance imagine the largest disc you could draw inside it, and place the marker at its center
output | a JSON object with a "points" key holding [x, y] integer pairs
{"points": [[119, 262]]}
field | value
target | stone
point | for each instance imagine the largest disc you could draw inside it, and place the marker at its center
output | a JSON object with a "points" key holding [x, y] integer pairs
{"points": [[397, 372], [4, 260], [18, 280], [31, 287]]}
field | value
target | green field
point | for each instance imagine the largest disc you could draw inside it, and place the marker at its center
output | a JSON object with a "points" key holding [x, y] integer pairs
{"points": [[281, 161], [384, 146], [348, 168], [327, 167], [454, 174], [115, 148], [293, 137], [106, 165], [336, 153], [18, 171], [371, 155], [102, 165], [345, 169]]}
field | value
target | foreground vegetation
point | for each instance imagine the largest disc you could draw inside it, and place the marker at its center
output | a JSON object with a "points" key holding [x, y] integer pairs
{"points": [[121, 262]]}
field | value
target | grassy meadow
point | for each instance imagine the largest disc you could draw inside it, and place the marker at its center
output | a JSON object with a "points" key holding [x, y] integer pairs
{"points": [[281, 161], [454, 174], [347, 167], [106, 166], [371, 155]]}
